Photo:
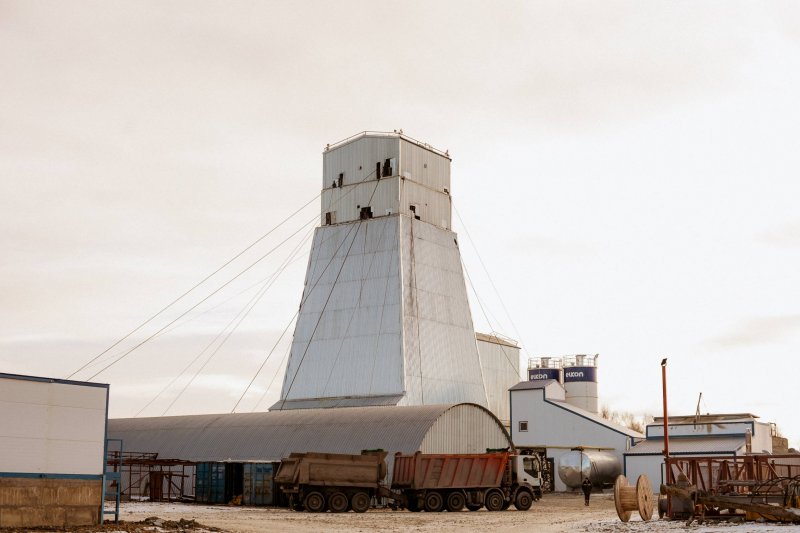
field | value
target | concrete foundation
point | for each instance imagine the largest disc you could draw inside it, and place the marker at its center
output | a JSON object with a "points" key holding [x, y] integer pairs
{"points": [[48, 502]]}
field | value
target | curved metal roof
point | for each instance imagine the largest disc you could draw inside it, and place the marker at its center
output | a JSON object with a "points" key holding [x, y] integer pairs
{"points": [[273, 435]]}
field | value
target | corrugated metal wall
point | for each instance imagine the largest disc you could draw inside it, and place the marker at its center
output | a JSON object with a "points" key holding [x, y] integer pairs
{"points": [[500, 368], [465, 429], [385, 311], [364, 152], [433, 207], [355, 348], [346, 202], [441, 356], [424, 166], [462, 428]]}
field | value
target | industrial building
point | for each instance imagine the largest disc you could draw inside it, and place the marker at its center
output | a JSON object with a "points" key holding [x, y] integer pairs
{"points": [[717, 435], [384, 318], [52, 451], [500, 371], [269, 437], [555, 417]]}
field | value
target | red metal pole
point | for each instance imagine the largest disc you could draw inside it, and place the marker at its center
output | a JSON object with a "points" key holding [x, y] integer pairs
{"points": [[666, 433], [666, 420]]}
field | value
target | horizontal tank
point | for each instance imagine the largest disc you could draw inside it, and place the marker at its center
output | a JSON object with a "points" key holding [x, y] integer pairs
{"points": [[602, 468]]}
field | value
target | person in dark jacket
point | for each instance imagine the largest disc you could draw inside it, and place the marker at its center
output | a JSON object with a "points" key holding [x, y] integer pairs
{"points": [[586, 486]]}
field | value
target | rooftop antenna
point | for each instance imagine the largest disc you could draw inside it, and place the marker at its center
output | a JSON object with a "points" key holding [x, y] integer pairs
{"points": [[697, 411]]}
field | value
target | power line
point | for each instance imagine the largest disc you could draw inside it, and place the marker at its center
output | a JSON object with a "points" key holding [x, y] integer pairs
{"points": [[241, 317], [199, 355], [223, 266], [486, 270], [275, 375], [267, 283], [327, 300], [333, 286], [360, 295], [288, 261], [265, 361], [120, 358], [140, 326], [480, 304]]}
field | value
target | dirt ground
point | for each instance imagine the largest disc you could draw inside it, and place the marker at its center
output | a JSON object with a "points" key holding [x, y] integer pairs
{"points": [[554, 513]]}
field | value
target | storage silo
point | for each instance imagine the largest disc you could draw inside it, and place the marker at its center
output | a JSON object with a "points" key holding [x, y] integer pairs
{"points": [[543, 368], [580, 381]]}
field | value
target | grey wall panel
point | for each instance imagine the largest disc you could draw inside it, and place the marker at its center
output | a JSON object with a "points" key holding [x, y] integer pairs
{"points": [[424, 166], [51, 427]]}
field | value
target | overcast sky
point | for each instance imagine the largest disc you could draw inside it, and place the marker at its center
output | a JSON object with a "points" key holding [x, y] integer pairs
{"points": [[627, 170]]}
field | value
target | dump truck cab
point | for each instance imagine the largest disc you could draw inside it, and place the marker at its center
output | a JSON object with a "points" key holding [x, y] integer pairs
{"points": [[528, 470]]}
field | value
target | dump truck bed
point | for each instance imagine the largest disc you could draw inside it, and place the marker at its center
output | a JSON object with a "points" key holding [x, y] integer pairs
{"points": [[456, 471], [332, 469]]}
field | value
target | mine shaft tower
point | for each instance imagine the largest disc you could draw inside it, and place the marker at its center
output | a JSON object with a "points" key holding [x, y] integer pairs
{"points": [[384, 318]]}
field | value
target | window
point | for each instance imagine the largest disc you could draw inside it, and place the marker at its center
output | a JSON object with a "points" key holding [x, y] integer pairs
{"points": [[413, 209], [341, 179], [531, 465], [366, 212], [330, 218], [523, 425]]}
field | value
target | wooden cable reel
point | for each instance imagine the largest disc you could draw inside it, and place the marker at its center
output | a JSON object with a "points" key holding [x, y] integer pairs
{"points": [[628, 498]]}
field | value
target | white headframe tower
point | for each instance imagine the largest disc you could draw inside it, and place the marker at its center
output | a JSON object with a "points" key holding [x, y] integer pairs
{"points": [[384, 318]]}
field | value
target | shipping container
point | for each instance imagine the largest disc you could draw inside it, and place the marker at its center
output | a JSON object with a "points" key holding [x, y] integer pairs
{"points": [[258, 482], [218, 482]]}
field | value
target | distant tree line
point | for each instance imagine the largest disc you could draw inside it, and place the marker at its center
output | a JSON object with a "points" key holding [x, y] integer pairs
{"points": [[626, 418]]}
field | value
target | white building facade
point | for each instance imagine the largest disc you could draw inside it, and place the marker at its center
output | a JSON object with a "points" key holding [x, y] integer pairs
{"points": [[542, 419], [52, 451], [717, 435]]}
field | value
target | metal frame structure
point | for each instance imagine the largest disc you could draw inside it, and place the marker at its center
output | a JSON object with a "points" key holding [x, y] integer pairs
{"points": [[163, 479], [722, 474], [115, 478], [763, 486]]}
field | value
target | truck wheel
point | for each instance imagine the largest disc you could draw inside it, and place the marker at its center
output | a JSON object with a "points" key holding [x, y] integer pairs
{"points": [[474, 506], [494, 500], [455, 502], [523, 500], [314, 502], [412, 502], [434, 502], [360, 502], [337, 502]]}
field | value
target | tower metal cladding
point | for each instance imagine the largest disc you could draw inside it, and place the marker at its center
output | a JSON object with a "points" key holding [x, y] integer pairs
{"points": [[384, 318]]}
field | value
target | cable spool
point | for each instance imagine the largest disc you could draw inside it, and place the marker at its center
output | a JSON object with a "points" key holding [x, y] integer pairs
{"points": [[628, 499]]}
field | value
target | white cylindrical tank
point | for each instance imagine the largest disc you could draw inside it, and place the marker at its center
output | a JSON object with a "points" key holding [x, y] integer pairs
{"points": [[601, 467], [580, 382]]}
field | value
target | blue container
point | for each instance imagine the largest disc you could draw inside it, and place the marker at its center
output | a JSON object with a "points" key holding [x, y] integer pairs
{"points": [[209, 486], [258, 484]]}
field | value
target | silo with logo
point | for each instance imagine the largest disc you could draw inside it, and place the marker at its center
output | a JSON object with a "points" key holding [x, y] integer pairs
{"points": [[543, 368], [580, 381]]}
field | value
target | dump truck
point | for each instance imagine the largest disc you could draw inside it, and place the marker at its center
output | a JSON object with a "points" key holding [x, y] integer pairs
{"points": [[317, 482], [434, 482]]}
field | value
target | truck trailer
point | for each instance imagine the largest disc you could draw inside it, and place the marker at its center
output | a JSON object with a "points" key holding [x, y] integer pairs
{"points": [[337, 482], [317, 482], [435, 482]]}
